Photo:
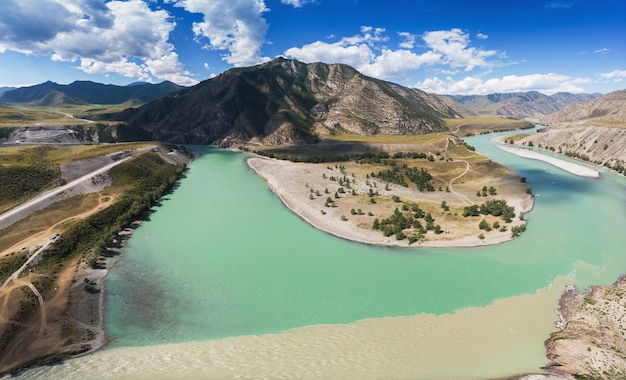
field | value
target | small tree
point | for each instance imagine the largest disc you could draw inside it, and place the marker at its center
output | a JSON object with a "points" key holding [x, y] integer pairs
{"points": [[483, 225]]}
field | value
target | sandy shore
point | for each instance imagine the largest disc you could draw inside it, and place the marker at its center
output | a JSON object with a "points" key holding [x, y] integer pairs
{"points": [[571, 167], [291, 182]]}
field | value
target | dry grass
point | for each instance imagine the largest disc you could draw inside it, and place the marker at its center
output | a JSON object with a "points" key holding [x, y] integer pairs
{"points": [[21, 116], [480, 119], [427, 138], [42, 220], [13, 116], [473, 125], [12, 155]]}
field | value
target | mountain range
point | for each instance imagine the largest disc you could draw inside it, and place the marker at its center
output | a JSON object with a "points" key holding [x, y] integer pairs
{"points": [[86, 92], [520, 104], [287, 102]]}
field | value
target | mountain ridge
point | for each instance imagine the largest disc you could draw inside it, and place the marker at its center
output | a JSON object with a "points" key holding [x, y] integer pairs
{"points": [[288, 102], [520, 104], [81, 92]]}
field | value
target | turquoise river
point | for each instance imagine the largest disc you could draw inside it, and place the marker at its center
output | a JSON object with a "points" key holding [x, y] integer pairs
{"points": [[223, 281]]}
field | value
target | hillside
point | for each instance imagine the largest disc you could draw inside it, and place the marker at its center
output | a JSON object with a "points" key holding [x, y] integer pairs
{"points": [[593, 131], [80, 92], [520, 104], [607, 109], [288, 102]]}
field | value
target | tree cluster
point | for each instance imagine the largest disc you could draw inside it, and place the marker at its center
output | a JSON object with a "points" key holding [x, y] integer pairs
{"points": [[495, 207]]}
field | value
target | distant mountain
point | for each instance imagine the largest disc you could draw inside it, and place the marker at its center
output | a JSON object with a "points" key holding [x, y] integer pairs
{"points": [[593, 131], [136, 84], [50, 93], [5, 89], [520, 104], [288, 102], [608, 108]]}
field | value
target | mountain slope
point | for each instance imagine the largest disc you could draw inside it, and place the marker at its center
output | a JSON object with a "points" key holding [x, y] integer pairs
{"points": [[607, 108], [287, 102], [592, 131], [87, 92], [520, 104]]}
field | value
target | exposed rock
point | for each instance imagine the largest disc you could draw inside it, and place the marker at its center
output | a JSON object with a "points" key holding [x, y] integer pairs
{"points": [[591, 343]]}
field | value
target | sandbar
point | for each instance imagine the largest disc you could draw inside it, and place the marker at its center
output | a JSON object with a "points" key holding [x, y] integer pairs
{"points": [[570, 167]]}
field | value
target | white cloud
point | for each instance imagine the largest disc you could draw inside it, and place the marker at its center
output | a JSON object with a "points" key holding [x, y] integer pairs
{"points": [[602, 51], [545, 83], [338, 52], [482, 36], [615, 75], [398, 63], [123, 37], [297, 3], [236, 26], [453, 46], [366, 53], [409, 40]]}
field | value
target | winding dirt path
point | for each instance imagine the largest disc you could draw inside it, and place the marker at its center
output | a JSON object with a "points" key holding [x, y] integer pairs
{"points": [[43, 240], [467, 168]]}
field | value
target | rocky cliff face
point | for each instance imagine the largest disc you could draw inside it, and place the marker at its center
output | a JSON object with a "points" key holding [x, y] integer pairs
{"points": [[288, 102]]}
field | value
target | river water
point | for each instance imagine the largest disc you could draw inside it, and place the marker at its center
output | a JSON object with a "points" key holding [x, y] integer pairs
{"points": [[223, 281]]}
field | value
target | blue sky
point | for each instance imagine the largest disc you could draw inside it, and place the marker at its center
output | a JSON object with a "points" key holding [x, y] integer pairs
{"points": [[441, 46]]}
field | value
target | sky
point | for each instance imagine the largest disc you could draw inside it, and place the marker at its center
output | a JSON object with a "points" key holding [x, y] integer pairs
{"points": [[471, 47]]}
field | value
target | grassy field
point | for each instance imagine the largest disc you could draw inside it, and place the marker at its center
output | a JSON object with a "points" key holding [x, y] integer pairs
{"points": [[426, 138], [19, 116], [29, 155], [473, 125]]}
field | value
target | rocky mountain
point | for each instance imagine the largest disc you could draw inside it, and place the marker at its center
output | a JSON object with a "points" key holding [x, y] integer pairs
{"points": [[520, 104], [79, 92], [605, 109], [288, 102]]}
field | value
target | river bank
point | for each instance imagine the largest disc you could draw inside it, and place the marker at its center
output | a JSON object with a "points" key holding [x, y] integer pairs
{"points": [[570, 167]]}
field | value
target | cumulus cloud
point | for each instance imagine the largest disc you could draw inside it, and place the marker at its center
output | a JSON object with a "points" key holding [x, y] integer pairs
{"points": [[123, 37], [235, 26], [546, 83], [453, 46], [482, 36], [366, 52]]}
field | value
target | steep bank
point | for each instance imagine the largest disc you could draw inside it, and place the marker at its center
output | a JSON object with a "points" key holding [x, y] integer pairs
{"points": [[591, 343]]}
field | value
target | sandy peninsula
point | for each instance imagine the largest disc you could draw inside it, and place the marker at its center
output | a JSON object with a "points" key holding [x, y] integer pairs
{"points": [[571, 167], [295, 184]]}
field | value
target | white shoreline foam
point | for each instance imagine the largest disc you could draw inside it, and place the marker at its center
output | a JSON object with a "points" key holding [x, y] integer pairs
{"points": [[571, 167]]}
